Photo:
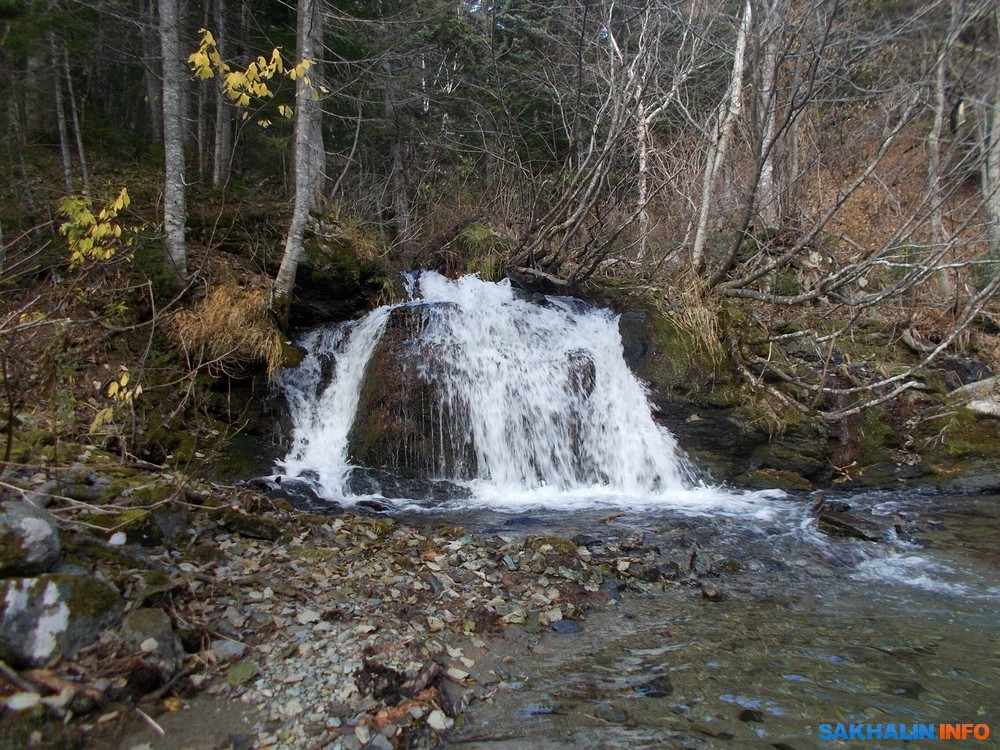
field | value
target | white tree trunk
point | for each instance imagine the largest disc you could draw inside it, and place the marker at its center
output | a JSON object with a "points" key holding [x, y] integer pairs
{"points": [[990, 139], [769, 195], [74, 112], [307, 120], [642, 193], [222, 150], [67, 161], [151, 72], [174, 206], [720, 143]]}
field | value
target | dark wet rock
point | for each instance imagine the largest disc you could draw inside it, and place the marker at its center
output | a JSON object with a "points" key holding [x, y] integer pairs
{"points": [[582, 372], [636, 345], [658, 687], [612, 714], [635, 540], [868, 528], [724, 566], [565, 627], [612, 588], [29, 540], [374, 505], [907, 689], [751, 714], [668, 571], [149, 632], [52, 615], [400, 406], [395, 485]]}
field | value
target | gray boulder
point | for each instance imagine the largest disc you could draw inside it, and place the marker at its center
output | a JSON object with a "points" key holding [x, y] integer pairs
{"points": [[150, 631], [29, 540], [52, 615]]}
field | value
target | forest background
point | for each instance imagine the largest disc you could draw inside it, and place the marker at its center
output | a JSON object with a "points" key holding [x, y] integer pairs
{"points": [[806, 191]]}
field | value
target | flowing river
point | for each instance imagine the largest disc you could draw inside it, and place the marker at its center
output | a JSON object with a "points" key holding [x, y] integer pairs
{"points": [[532, 423]]}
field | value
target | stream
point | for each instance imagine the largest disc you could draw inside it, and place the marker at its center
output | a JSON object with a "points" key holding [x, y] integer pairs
{"points": [[518, 417], [812, 630]]}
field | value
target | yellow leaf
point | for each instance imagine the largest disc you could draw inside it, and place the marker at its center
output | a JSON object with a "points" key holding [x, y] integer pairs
{"points": [[104, 415], [112, 389], [264, 123]]}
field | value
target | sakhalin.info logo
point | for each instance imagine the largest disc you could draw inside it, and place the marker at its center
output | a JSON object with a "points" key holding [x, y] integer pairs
{"points": [[904, 731]]}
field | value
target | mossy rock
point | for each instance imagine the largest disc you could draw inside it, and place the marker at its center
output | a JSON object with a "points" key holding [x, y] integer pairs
{"points": [[252, 526], [560, 545], [778, 479], [53, 614]]}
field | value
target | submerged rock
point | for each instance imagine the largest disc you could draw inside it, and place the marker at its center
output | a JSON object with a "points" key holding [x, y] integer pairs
{"points": [[870, 529], [52, 615]]}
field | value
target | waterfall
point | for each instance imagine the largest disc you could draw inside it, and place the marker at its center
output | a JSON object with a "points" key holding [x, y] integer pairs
{"points": [[505, 394]]}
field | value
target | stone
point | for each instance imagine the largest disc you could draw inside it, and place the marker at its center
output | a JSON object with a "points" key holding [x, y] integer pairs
{"points": [[150, 630], [250, 526], [658, 687], [611, 714], [52, 615], [984, 407], [751, 714], [241, 673], [712, 592], [854, 525], [225, 648], [29, 540], [565, 627]]}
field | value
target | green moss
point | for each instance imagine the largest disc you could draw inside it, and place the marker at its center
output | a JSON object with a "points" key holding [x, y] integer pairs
{"points": [[560, 545], [89, 598]]}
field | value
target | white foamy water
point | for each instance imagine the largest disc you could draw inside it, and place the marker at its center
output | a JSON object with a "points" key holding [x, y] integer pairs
{"points": [[923, 572], [539, 396], [323, 415]]}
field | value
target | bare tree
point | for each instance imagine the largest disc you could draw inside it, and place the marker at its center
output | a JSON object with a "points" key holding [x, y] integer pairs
{"points": [[308, 154], [174, 204]]}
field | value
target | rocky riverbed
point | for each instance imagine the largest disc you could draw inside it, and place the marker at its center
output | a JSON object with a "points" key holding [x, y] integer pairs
{"points": [[154, 592]]}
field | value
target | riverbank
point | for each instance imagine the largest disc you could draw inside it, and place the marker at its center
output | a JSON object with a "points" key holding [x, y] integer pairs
{"points": [[351, 629], [255, 625]]}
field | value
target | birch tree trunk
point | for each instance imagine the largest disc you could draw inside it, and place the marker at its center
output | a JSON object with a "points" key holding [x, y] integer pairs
{"points": [[173, 137], [64, 151], [732, 107], [222, 150], [397, 178], [307, 119], [74, 113], [767, 103], [990, 139], [151, 73], [935, 195]]}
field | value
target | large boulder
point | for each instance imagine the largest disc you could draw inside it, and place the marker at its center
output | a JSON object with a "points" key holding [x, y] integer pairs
{"points": [[29, 540], [52, 615], [399, 410]]}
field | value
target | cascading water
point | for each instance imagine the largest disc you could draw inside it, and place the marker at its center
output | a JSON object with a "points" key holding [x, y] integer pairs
{"points": [[517, 398]]}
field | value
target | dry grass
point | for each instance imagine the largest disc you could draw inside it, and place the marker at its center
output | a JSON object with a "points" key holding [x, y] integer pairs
{"points": [[231, 329]]}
